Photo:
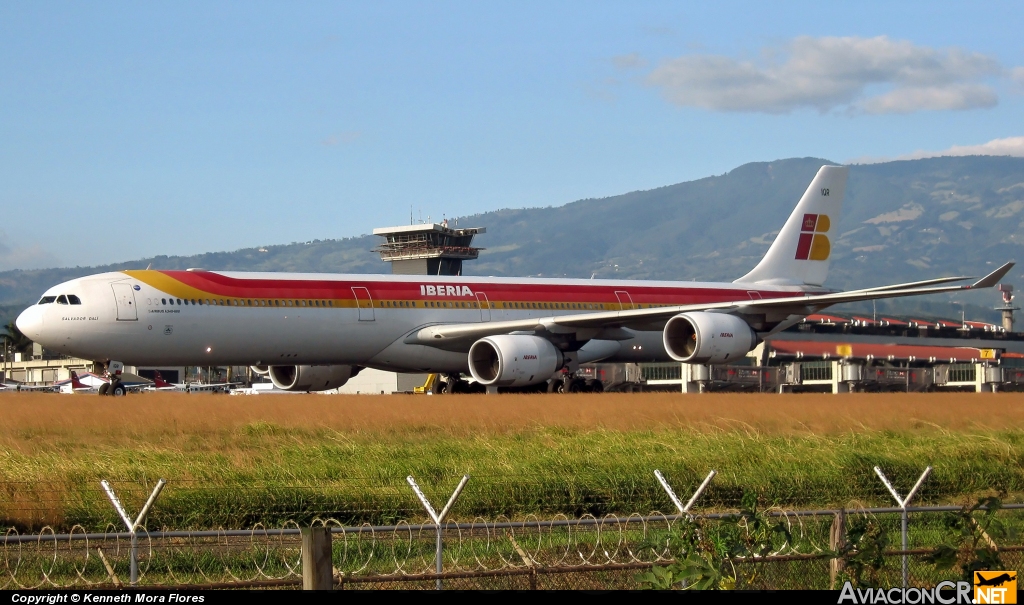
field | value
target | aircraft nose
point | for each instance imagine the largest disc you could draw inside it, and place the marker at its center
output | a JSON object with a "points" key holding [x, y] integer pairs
{"points": [[30, 322]]}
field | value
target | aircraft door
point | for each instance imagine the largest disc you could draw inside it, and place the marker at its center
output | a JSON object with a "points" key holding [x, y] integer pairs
{"points": [[625, 302], [124, 296], [485, 306], [364, 303]]}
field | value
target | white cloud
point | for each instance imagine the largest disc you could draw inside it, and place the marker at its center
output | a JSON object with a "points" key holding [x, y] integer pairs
{"points": [[19, 257], [830, 73], [1017, 74], [1010, 146]]}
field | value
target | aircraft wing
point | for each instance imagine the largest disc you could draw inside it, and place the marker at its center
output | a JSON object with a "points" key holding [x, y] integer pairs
{"points": [[25, 387], [607, 325]]}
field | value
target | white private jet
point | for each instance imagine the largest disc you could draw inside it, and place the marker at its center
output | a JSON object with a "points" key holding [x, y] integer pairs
{"points": [[312, 332], [159, 384]]}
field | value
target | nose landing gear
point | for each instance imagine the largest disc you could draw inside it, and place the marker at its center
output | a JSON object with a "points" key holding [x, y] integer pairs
{"points": [[115, 387]]}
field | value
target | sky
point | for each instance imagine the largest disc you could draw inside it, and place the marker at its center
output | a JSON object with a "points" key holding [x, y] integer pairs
{"points": [[133, 129]]}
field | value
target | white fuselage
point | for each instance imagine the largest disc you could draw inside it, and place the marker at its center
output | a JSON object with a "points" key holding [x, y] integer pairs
{"points": [[150, 318]]}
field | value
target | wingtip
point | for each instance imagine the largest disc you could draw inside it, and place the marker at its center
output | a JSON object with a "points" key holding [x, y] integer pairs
{"points": [[993, 278]]}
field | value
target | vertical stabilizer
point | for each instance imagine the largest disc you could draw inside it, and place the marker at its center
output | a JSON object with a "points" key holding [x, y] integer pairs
{"points": [[800, 254]]}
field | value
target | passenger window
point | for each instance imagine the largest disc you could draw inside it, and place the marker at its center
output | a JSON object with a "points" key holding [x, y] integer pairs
{"points": [[163, 301]]}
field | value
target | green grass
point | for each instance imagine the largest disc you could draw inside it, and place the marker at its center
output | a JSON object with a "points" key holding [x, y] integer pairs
{"points": [[262, 473]]}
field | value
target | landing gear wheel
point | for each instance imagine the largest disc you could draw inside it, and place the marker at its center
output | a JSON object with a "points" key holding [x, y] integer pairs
{"points": [[553, 385], [571, 385], [595, 386], [454, 384], [104, 389], [117, 390]]}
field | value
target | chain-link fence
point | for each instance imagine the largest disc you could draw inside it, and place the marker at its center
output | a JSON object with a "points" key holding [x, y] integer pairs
{"points": [[559, 553]]}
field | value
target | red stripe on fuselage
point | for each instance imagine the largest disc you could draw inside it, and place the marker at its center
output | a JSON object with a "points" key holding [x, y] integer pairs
{"points": [[221, 285]]}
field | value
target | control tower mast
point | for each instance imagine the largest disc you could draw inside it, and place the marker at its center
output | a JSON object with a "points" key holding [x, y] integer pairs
{"points": [[1007, 308], [427, 248]]}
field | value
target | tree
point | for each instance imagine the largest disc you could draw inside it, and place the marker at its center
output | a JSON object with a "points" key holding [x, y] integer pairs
{"points": [[14, 340]]}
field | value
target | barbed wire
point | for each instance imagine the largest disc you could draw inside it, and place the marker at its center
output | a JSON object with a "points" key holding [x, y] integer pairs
{"points": [[80, 558]]}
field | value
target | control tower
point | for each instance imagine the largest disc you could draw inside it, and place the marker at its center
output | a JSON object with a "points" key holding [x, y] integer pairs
{"points": [[1007, 308], [427, 248]]}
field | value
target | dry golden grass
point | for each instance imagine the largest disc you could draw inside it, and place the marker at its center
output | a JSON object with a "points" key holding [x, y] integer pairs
{"points": [[269, 458], [152, 415]]}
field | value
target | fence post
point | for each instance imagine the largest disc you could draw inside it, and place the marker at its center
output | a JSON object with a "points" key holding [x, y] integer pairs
{"points": [[438, 517], [317, 569], [684, 509], [836, 543], [905, 517], [133, 526]]}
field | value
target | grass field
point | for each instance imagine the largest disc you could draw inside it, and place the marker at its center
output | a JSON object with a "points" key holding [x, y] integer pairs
{"points": [[235, 461]]}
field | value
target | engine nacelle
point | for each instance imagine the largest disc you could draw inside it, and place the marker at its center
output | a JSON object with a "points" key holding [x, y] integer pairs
{"points": [[261, 370], [513, 361], [310, 378], [703, 337]]}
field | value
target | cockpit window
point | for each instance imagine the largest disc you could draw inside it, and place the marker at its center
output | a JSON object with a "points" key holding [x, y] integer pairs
{"points": [[74, 299], [47, 300], [62, 300]]}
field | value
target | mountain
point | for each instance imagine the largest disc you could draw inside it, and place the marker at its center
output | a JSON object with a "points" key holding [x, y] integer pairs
{"points": [[902, 221]]}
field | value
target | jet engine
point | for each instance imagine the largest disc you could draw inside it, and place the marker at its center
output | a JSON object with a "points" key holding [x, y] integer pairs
{"points": [[703, 337], [261, 370], [513, 361], [310, 378]]}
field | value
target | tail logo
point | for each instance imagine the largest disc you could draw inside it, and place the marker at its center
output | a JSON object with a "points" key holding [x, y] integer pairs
{"points": [[813, 243]]}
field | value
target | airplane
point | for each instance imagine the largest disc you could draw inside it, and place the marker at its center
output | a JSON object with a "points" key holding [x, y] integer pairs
{"points": [[96, 384], [17, 386], [159, 384], [312, 332], [74, 384]]}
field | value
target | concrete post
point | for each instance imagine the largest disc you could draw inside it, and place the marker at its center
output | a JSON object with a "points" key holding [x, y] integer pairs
{"points": [[317, 568], [836, 542]]}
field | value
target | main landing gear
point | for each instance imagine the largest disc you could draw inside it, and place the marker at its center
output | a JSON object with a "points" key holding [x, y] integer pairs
{"points": [[570, 383], [453, 383]]}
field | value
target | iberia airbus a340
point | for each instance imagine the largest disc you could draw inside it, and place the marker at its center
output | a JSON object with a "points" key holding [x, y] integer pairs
{"points": [[315, 331]]}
